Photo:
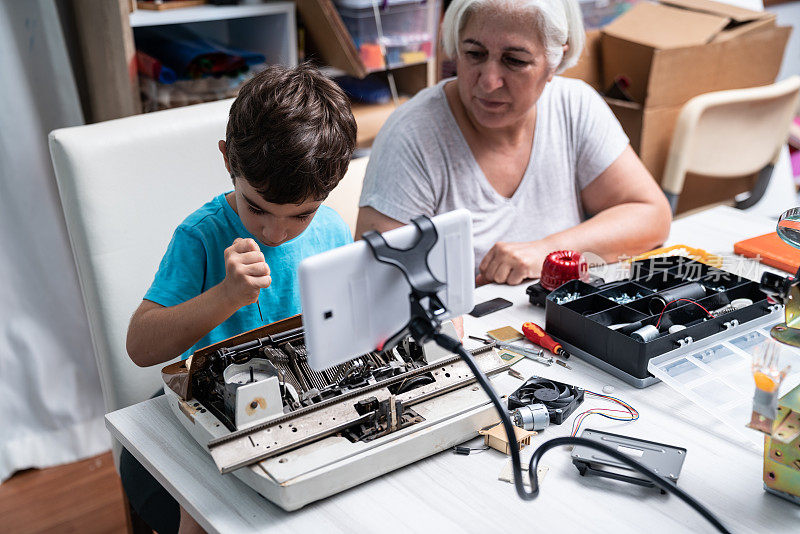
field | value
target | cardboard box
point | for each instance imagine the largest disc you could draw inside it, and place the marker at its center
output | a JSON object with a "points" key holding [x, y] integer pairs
{"points": [[589, 65], [669, 53]]}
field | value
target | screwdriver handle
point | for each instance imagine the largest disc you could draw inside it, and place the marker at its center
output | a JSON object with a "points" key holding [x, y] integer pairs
{"points": [[536, 335]]}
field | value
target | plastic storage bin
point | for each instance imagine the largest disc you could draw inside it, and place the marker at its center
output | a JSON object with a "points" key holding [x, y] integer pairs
{"points": [[409, 30], [596, 323], [718, 377], [598, 13]]}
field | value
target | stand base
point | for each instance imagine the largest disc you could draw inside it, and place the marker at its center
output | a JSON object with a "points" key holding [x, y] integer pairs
{"points": [[783, 495]]}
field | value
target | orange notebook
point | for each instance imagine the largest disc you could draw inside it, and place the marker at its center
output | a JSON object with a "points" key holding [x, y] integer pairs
{"points": [[770, 250]]}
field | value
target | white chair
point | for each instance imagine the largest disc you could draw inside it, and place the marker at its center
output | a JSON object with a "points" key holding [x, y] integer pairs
{"points": [[344, 199], [125, 185], [729, 134]]}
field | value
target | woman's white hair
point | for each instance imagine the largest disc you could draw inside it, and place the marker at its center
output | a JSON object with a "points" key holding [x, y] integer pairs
{"points": [[558, 22]]}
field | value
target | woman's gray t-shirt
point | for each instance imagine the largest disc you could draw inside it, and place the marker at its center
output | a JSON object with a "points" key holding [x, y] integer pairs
{"points": [[421, 165]]}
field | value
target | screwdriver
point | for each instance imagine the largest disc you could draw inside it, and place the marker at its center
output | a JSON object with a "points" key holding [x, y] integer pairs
{"points": [[536, 335], [533, 354]]}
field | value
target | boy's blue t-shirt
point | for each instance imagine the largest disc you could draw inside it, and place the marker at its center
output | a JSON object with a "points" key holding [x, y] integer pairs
{"points": [[195, 262]]}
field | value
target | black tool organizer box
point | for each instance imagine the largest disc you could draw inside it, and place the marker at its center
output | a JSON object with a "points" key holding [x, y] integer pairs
{"points": [[583, 322]]}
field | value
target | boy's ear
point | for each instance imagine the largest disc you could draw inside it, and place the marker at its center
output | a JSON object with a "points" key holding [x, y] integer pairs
{"points": [[224, 149]]}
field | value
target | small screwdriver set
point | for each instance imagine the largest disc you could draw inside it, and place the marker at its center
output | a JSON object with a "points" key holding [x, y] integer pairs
{"points": [[667, 304]]}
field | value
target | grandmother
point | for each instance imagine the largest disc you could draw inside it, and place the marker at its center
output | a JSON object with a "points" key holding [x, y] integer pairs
{"points": [[539, 160]]}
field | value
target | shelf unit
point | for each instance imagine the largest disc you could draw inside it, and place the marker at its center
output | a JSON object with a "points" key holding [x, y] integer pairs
{"points": [[337, 49], [269, 29], [106, 34], [144, 17]]}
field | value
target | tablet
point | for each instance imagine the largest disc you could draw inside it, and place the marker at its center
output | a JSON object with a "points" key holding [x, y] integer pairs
{"points": [[352, 303]]}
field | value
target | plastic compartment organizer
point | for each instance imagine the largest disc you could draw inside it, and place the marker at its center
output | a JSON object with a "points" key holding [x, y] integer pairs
{"points": [[718, 377], [620, 326], [408, 28]]}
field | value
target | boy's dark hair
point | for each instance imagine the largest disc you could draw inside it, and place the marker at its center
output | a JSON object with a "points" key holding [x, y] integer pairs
{"points": [[290, 134]]}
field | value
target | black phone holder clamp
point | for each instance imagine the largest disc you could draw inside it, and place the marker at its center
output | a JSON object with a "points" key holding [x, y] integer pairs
{"points": [[427, 309]]}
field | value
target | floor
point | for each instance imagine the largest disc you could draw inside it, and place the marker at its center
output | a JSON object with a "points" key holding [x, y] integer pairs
{"points": [[83, 497]]}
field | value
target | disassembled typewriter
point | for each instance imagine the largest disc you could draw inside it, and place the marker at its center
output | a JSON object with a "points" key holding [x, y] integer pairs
{"points": [[296, 434]]}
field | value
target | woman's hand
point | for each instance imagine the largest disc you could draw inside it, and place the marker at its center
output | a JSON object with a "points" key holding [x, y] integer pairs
{"points": [[512, 263]]}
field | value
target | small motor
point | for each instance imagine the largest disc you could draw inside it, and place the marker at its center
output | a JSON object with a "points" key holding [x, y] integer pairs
{"points": [[531, 417], [252, 392]]}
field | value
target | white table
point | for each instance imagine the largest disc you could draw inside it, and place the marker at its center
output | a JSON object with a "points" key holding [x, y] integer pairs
{"points": [[451, 493]]}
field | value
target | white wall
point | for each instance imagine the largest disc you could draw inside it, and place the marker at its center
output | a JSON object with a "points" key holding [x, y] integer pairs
{"points": [[789, 15]]}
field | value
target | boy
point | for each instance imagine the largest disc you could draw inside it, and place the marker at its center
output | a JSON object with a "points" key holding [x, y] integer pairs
{"points": [[232, 265]]}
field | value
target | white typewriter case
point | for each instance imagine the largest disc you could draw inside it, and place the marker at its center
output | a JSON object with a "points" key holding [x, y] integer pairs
{"points": [[333, 464]]}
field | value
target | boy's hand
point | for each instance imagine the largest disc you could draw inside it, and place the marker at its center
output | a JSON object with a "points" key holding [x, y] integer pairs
{"points": [[246, 272]]}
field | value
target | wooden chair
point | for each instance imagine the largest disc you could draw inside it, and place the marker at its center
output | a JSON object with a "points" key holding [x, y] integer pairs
{"points": [[729, 134]]}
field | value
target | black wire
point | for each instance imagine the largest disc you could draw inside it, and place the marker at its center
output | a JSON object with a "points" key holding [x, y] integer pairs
{"points": [[456, 347], [470, 450]]}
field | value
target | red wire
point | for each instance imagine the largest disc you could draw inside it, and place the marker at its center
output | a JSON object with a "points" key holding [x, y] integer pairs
{"points": [[678, 300]]}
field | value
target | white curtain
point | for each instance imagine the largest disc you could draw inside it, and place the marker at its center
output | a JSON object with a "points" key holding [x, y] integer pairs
{"points": [[51, 406]]}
